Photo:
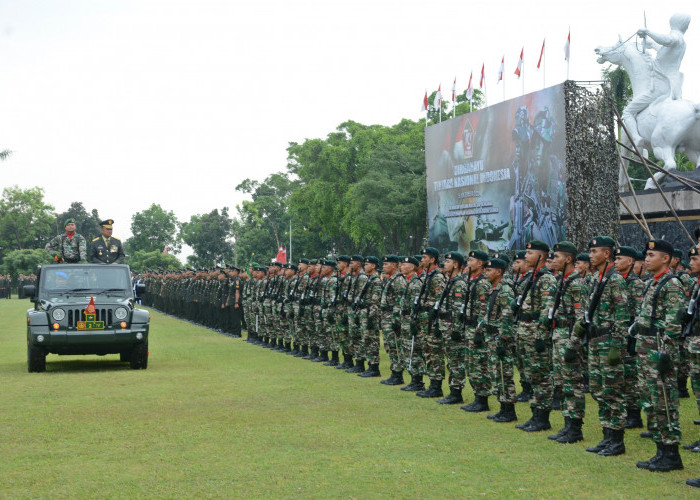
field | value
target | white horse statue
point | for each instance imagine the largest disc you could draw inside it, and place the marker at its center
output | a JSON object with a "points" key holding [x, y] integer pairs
{"points": [[666, 126]]}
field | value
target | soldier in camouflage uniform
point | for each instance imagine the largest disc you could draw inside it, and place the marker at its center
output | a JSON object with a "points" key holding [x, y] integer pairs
{"points": [[658, 336], [69, 247], [605, 320], [288, 309], [300, 328], [359, 278], [450, 323], [531, 311], [390, 323], [518, 276], [430, 339], [412, 349], [341, 312], [326, 302], [477, 360], [690, 320], [687, 284], [368, 307], [570, 300], [496, 326], [315, 323], [307, 309]]}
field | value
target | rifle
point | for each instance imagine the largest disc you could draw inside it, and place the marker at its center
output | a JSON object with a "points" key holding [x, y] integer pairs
{"points": [[466, 300], [438, 303], [557, 301], [590, 312], [691, 315], [521, 298], [358, 299]]}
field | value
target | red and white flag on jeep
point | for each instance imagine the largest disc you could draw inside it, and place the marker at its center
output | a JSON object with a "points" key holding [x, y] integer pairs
{"points": [[282, 255]]}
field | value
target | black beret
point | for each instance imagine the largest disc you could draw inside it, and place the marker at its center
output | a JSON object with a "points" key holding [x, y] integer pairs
{"points": [[693, 251], [602, 241], [291, 266], [418, 257], [496, 263], [357, 257], [432, 251], [520, 255], [640, 255], [313, 262], [566, 246], [550, 255], [583, 257], [660, 246], [391, 258], [626, 252], [503, 256], [456, 256], [372, 260], [343, 258], [677, 253], [479, 254], [303, 261], [411, 260], [537, 245], [276, 263], [330, 262]]}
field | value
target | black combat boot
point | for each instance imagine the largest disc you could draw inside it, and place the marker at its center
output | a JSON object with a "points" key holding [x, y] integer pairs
{"points": [[646, 463], [524, 396], [395, 379], [691, 446], [574, 434], [586, 384], [646, 435], [607, 437], [358, 368], [556, 401], [617, 444], [372, 371], [541, 424], [295, 351], [347, 363], [280, 346], [480, 403], [334, 361], [670, 459], [695, 483], [563, 431], [529, 422], [507, 414], [313, 353], [434, 391], [303, 351], [453, 398], [491, 416], [634, 419], [683, 387], [322, 357], [416, 384], [288, 347]]}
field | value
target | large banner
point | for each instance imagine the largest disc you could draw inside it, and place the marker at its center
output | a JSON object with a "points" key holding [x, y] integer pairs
{"points": [[496, 177]]}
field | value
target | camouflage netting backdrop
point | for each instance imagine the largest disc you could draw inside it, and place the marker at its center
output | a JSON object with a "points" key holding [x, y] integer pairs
{"points": [[591, 163]]}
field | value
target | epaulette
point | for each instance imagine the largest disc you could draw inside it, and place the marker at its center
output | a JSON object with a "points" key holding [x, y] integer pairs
{"points": [[115, 238], [96, 239]]}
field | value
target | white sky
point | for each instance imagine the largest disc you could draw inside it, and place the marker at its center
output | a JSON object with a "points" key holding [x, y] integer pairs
{"points": [[124, 103]]}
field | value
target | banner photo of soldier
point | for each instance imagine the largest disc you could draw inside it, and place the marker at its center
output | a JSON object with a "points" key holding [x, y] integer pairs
{"points": [[496, 177]]}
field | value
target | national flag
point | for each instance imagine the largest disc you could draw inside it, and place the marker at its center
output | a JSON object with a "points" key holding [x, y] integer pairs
{"points": [[425, 102], [437, 102], [481, 81], [567, 46], [470, 89], [454, 88], [282, 255], [541, 54], [519, 69], [500, 70]]}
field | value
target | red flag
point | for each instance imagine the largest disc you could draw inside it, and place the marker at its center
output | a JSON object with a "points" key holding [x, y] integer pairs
{"points": [[470, 89], [541, 54], [567, 46], [282, 255], [425, 102], [500, 70], [454, 87], [519, 69], [481, 82], [165, 249], [437, 102]]}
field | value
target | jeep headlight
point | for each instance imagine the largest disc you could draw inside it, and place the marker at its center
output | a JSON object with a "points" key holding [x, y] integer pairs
{"points": [[58, 314], [120, 313]]}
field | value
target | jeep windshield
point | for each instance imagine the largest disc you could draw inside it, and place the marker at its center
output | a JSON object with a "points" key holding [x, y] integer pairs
{"points": [[92, 279]]}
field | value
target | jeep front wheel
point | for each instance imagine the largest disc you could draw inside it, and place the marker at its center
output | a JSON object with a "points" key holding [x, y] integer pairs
{"points": [[139, 356], [36, 359]]}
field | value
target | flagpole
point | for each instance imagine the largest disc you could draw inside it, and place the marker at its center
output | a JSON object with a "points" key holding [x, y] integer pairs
{"points": [[503, 77], [290, 240], [522, 74], [544, 66], [568, 56]]}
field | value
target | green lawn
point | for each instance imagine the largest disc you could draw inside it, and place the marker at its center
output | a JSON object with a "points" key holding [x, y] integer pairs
{"points": [[214, 416]]}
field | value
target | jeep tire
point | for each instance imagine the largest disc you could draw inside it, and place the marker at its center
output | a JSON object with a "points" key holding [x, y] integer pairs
{"points": [[36, 359], [139, 356]]}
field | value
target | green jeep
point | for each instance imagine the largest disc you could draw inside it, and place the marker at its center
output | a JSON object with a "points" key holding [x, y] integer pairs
{"points": [[85, 309]]}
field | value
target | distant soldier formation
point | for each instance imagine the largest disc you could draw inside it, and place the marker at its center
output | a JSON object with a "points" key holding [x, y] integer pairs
{"points": [[614, 321], [5, 286]]}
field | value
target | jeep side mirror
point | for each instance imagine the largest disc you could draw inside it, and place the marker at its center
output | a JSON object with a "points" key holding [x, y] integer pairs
{"points": [[29, 291], [140, 289]]}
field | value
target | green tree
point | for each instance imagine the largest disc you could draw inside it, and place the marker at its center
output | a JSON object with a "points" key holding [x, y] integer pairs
{"points": [[25, 261], [87, 224], [208, 236], [25, 220], [153, 230], [5, 154], [141, 260]]}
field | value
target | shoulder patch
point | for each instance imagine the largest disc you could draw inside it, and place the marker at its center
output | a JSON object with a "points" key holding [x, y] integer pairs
{"points": [[115, 238], [95, 239]]}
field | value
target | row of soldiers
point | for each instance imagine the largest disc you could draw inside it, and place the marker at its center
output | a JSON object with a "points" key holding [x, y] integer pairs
{"points": [[24, 279], [209, 297], [5, 286]]}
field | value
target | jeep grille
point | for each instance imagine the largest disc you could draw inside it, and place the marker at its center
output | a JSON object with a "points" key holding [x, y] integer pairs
{"points": [[75, 315]]}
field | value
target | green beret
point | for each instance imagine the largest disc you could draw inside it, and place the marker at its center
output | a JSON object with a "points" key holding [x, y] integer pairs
{"points": [[626, 252], [456, 256], [566, 246], [277, 264], [68, 221], [520, 255], [496, 263], [358, 258], [330, 262], [411, 260], [503, 256], [291, 266], [479, 254], [550, 255], [602, 241], [418, 257], [693, 251], [372, 260], [660, 246], [584, 257], [432, 251], [343, 258], [313, 262], [303, 261], [391, 258], [538, 245], [640, 255], [677, 253]]}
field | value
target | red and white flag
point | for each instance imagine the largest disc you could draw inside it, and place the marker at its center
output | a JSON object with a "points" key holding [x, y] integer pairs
{"points": [[424, 105], [470, 89], [567, 46], [541, 54], [454, 88], [437, 102], [519, 69], [165, 249], [281, 255], [501, 69], [481, 81]]}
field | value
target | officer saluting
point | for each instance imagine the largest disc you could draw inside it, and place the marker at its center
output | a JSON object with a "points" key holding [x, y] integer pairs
{"points": [[106, 249]]}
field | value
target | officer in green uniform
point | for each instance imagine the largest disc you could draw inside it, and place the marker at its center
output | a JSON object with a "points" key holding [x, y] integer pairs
{"points": [[106, 249]]}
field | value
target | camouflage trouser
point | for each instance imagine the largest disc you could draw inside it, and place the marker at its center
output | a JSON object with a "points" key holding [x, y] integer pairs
{"points": [[369, 343], [354, 333], [297, 325], [519, 354], [573, 393], [266, 318], [692, 345], [305, 325], [331, 333], [477, 364], [317, 332], [327, 331], [537, 366], [343, 330], [433, 352], [335, 332], [607, 383], [413, 362], [501, 369], [663, 392], [392, 343], [281, 324], [284, 329], [632, 392], [683, 363], [455, 352]]}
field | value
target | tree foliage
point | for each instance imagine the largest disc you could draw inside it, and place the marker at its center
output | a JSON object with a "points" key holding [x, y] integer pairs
{"points": [[208, 236], [24, 261], [25, 220], [87, 224], [142, 260], [153, 230]]}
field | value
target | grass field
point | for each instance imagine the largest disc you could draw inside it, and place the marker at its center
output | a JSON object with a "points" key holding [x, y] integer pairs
{"points": [[214, 416]]}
